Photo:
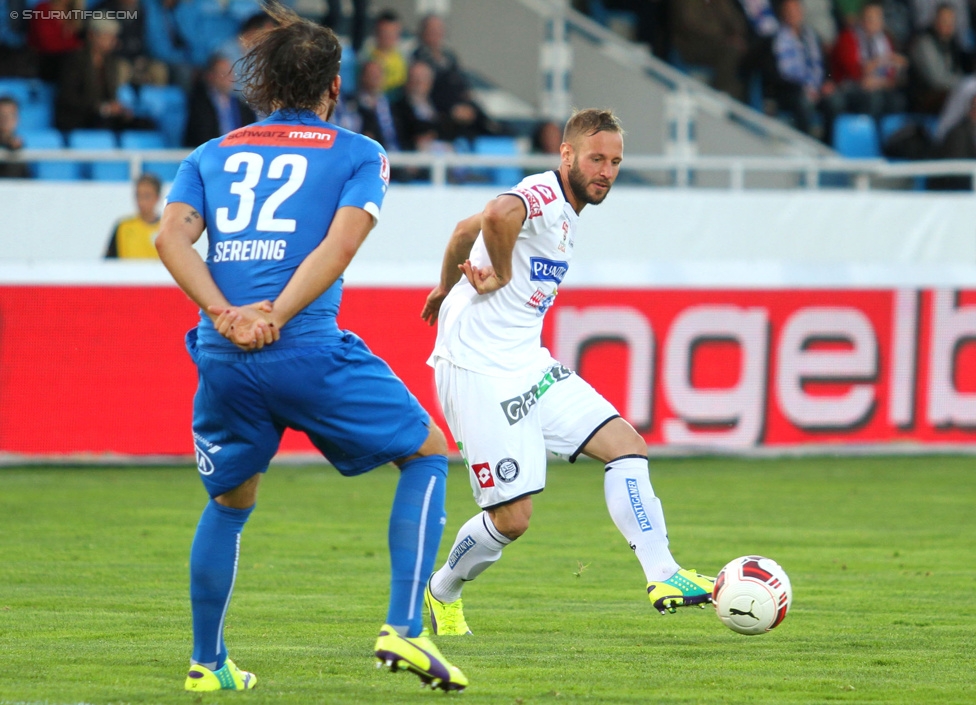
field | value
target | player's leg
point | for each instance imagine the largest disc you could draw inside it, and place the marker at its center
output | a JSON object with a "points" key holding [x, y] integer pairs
{"points": [[361, 416], [416, 525], [506, 464], [478, 545], [417, 521], [234, 439], [213, 570], [578, 420]]}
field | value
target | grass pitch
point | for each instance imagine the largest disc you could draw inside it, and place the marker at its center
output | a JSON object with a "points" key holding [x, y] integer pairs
{"points": [[94, 606]]}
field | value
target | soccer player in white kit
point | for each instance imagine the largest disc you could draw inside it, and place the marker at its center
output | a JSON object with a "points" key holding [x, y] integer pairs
{"points": [[505, 398]]}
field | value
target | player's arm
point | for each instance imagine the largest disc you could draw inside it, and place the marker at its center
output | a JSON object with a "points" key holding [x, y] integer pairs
{"points": [[325, 264], [501, 222], [180, 228], [457, 251]]}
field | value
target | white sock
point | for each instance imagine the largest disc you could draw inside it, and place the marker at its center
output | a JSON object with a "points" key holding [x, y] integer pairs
{"points": [[638, 515], [477, 546]]}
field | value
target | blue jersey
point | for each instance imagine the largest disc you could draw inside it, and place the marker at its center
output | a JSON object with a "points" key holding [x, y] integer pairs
{"points": [[268, 193]]}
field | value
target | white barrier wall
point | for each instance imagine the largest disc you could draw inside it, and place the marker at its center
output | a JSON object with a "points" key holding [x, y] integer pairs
{"points": [[638, 237]]}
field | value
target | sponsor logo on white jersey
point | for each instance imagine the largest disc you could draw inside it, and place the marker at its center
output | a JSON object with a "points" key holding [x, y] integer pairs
{"points": [[547, 270], [249, 250]]}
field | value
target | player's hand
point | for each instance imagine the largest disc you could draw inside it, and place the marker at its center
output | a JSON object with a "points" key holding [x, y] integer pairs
{"points": [[432, 307], [483, 279], [249, 327]]}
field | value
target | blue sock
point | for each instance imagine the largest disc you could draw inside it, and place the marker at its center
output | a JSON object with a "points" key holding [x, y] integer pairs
{"points": [[416, 524], [213, 568]]}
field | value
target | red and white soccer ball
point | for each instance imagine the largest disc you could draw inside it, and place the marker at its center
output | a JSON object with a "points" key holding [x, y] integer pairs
{"points": [[752, 594]]}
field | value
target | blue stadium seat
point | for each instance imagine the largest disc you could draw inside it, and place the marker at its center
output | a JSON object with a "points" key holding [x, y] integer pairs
{"points": [[148, 139], [890, 124], [36, 115], [17, 88], [142, 139], [100, 139], [50, 171], [502, 175], [856, 136], [126, 95], [167, 106]]}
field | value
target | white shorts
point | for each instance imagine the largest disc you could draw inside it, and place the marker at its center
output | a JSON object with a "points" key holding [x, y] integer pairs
{"points": [[504, 425]]}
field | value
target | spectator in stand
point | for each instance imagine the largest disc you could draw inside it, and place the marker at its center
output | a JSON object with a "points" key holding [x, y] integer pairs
{"points": [[10, 143], [385, 50], [214, 109], [802, 88], [133, 237], [347, 115], [451, 93], [938, 62], [547, 138], [450, 84], [868, 72], [135, 64], [714, 34], [89, 81], [374, 107], [420, 126], [55, 37], [923, 16]]}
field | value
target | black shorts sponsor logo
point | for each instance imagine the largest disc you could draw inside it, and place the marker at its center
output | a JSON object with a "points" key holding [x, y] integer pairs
{"points": [[517, 408], [507, 469]]}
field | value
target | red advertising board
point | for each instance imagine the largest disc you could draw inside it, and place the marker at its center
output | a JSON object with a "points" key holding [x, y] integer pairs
{"points": [[102, 369]]}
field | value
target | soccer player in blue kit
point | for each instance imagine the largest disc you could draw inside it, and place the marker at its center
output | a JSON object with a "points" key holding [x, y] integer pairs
{"points": [[286, 203]]}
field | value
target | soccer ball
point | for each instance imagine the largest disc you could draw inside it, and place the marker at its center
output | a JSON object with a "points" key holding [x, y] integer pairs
{"points": [[752, 594]]}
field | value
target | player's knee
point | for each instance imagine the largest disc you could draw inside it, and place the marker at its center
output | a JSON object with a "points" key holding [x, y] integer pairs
{"points": [[512, 520], [512, 526]]}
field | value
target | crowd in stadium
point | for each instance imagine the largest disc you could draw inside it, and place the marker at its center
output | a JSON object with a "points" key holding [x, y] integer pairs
{"points": [[167, 68], [808, 61]]}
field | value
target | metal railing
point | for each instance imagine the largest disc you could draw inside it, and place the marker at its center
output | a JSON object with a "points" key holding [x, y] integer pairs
{"points": [[648, 170]]}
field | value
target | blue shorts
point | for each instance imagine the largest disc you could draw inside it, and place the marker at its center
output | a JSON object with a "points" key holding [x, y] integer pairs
{"points": [[342, 396]]}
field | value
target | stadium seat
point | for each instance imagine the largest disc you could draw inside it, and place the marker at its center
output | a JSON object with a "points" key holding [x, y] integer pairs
{"points": [[148, 139], [502, 175], [166, 105], [142, 139], [36, 116], [100, 139], [50, 171], [17, 88], [890, 124], [856, 136], [127, 96]]}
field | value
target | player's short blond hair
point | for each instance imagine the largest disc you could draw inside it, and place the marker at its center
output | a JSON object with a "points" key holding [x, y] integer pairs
{"points": [[590, 121]]}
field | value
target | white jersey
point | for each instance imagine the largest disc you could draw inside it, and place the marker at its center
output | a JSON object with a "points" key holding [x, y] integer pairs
{"points": [[499, 333]]}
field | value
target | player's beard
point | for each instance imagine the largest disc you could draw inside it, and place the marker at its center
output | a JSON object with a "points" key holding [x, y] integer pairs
{"points": [[578, 185]]}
